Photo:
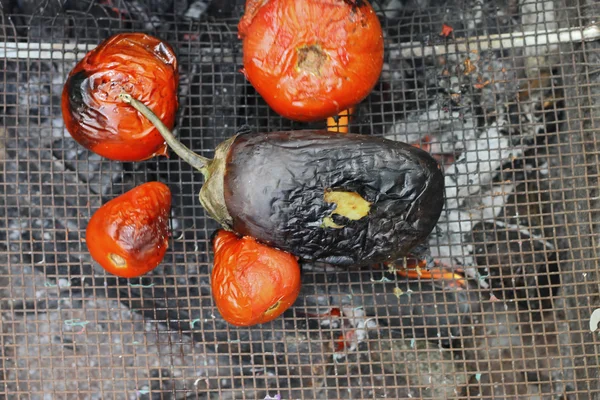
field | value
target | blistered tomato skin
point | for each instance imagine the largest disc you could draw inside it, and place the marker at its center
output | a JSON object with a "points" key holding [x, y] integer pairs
{"points": [[129, 235], [96, 118], [252, 283], [311, 59]]}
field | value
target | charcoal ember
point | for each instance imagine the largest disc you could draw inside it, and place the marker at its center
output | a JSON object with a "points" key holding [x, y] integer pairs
{"points": [[302, 357], [520, 258], [460, 91], [225, 9], [2, 152], [292, 362], [448, 97], [573, 177], [92, 21], [78, 5], [98, 173], [479, 81], [185, 306], [48, 29], [31, 7], [98, 335], [7, 6], [527, 356], [407, 308], [402, 88], [53, 21], [46, 211], [180, 302], [530, 207], [197, 8], [214, 96], [397, 369], [518, 267], [424, 18], [138, 14], [41, 20], [32, 90], [160, 7], [286, 347], [61, 176]]}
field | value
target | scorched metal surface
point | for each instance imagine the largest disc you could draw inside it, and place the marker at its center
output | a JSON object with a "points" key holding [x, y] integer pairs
{"points": [[509, 105]]}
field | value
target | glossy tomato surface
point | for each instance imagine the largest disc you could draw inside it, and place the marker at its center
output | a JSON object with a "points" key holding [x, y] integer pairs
{"points": [[128, 236], [252, 283], [311, 59], [99, 120]]}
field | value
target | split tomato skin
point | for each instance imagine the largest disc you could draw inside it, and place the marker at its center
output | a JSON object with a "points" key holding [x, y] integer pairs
{"points": [[129, 235], [311, 59], [95, 116], [252, 283]]}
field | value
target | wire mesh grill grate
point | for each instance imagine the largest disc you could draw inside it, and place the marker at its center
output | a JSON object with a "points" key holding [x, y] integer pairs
{"points": [[514, 126]]}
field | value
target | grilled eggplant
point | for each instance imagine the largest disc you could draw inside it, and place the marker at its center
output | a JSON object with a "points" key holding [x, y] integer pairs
{"points": [[341, 199]]}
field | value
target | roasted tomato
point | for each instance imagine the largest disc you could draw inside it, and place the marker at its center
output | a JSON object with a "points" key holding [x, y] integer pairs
{"points": [[94, 115], [128, 236], [252, 283], [311, 59]]}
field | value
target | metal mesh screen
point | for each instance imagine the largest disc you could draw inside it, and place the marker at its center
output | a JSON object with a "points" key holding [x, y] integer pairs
{"points": [[513, 119]]}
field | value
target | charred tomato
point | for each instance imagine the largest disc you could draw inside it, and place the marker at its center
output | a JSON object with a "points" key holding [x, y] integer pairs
{"points": [[128, 236], [343, 199], [311, 59], [136, 63], [252, 283]]}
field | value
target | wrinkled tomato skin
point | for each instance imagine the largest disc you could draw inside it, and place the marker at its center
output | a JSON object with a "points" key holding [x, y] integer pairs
{"points": [[347, 32], [99, 120], [251, 282], [134, 227]]}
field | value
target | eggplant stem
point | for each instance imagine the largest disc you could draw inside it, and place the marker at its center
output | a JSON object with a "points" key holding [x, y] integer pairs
{"points": [[195, 160]]}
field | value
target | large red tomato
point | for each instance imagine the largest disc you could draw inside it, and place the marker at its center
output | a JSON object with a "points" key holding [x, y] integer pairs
{"points": [[129, 235], [99, 120], [252, 283], [311, 59]]}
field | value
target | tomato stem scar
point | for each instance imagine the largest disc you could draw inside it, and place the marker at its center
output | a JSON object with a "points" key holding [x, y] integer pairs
{"points": [[311, 59]]}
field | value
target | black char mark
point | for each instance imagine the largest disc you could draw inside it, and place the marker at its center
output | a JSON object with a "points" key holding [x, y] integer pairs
{"points": [[355, 3], [76, 85], [275, 185], [81, 108]]}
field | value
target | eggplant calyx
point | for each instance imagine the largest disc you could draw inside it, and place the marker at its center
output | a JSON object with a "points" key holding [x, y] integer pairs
{"points": [[212, 194]]}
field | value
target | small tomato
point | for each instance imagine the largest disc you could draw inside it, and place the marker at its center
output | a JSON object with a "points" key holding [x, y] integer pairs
{"points": [[311, 59], [128, 236], [252, 283], [99, 120]]}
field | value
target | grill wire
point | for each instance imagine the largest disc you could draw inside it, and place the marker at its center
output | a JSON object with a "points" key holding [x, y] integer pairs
{"points": [[515, 126]]}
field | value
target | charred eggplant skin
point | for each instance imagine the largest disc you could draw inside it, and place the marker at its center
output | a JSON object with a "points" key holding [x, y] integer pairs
{"points": [[275, 185]]}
